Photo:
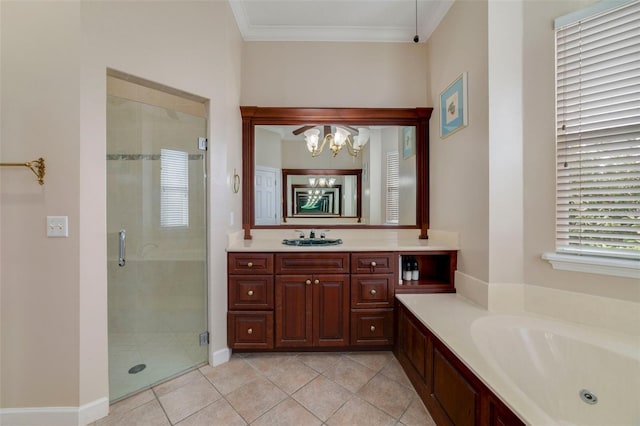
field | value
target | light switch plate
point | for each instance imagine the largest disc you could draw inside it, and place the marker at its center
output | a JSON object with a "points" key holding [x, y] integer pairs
{"points": [[57, 226]]}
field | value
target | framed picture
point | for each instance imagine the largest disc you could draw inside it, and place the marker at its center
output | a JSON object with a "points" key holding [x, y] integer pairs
{"points": [[408, 141], [453, 107]]}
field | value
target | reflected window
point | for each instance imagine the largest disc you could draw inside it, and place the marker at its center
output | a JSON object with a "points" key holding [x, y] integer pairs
{"points": [[174, 188], [392, 203]]}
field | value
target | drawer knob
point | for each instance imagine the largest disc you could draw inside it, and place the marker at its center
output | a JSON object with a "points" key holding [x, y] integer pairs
{"points": [[373, 328], [316, 282], [250, 331], [308, 282], [374, 264], [250, 265], [373, 292], [250, 292]]}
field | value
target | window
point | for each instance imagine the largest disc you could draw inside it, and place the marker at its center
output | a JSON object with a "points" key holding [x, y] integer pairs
{"points": [[392, 203], [174, 188], [598, 133]]}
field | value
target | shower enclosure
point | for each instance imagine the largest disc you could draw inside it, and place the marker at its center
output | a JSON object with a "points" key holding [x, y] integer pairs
{"points": [[156, 225]]}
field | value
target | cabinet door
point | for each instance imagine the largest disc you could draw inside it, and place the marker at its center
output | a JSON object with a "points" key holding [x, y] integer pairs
{"points": [[414, 345], [312, 263], [372, 327], [455, 395], [250, 263], [250, 330], [331, 310], [371, 291], [293, 297], [250, 292], [373, 263]]}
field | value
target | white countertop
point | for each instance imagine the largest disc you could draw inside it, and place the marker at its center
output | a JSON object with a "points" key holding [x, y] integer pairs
{"points": [[352, 240]]}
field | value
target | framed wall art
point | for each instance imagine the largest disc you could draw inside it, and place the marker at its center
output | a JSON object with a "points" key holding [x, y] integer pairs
{"points": [[453, 107], [408, 141]]}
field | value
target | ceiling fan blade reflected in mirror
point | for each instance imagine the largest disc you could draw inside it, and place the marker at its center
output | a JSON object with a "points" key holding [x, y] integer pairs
{"points": [[303, 129]]}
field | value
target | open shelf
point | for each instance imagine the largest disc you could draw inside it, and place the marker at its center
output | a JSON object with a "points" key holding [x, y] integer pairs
{"points": [[436, 272]]}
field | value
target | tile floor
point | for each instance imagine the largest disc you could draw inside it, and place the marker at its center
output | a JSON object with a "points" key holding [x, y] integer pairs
{"points": [[355, 388]]}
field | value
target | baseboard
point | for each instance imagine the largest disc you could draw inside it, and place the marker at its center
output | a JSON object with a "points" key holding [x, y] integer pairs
{"points": [[55, 416], [220, 356]]}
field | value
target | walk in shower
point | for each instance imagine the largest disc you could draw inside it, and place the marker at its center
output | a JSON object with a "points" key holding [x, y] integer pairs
{"points": [[156, 225]]}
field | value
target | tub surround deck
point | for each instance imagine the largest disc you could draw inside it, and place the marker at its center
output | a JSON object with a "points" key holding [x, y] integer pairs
{"points": [[451, 318]]}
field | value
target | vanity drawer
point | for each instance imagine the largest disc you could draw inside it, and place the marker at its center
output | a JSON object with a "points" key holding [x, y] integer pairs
{"points": [[372, 327], [325, 263], [250, 330], [250, 292], [250, 263], [372, 263], [372, 291]]}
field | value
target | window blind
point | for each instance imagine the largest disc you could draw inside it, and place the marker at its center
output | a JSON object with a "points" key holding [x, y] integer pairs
{"points": [[392, 203], [598, 134], [174, 188]]}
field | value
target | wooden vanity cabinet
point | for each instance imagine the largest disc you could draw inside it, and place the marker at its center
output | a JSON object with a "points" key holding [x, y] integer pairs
{"points": [[373, 276], [250, 301], [450, 391], [312, 300], [289, 300]]}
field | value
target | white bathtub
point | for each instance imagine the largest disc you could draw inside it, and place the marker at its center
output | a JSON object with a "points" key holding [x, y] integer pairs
{"points": [[550, 362]]}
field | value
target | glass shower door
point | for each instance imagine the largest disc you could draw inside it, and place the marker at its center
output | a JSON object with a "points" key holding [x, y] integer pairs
{"points": [[156, 227]]}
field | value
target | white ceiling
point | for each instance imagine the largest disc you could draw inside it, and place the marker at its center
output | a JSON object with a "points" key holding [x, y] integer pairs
{"points": [[338, 20]]}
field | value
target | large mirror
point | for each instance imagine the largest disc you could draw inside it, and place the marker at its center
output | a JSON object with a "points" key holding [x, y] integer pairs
{"points": [[335, 167]]}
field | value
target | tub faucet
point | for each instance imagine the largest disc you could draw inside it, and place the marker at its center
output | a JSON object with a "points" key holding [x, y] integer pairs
{"points": [[312, 233]]}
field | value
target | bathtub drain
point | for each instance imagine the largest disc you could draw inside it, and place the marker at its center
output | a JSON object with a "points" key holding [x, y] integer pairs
{"points": [[588, 396]]}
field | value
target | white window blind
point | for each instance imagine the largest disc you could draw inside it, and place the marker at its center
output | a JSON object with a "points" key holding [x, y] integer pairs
{"points": [[174, 188], [598, 134], [392, 203]]}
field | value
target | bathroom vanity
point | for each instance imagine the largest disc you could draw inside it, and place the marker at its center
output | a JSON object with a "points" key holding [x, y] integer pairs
{"points": [[305, 298]]}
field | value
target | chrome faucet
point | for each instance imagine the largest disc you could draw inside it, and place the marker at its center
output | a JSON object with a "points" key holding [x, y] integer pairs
{"points": [[312, 234]]}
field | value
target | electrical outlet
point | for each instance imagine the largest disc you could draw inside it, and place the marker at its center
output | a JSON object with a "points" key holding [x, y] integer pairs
{"points": [[57, 226]]}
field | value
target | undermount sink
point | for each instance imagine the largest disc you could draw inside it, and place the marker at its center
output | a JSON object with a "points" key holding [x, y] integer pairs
{"points": [[312, 242]]}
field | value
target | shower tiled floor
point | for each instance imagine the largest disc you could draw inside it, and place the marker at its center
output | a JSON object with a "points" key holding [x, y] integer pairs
{"points": [[164, 354], [355, 388]]}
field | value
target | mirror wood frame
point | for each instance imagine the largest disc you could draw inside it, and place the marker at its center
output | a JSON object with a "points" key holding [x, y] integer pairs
{"points": [[254, 115]]}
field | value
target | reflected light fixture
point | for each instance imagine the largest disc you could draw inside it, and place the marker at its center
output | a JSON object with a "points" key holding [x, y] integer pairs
{"points": [[337, 140], [322, 182]]}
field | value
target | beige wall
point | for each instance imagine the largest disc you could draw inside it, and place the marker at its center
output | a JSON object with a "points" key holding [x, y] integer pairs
{"points": [[477, 172], [54, 62], [459, 186], [334, 74], [539, 160]]}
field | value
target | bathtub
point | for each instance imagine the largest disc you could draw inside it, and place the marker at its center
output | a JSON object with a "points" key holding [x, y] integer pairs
{"points": [[573, 375], [538, 366]]}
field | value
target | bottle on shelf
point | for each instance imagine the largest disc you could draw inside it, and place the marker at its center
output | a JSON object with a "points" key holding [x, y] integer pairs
{"points": [[415, 269], [406, 268]]}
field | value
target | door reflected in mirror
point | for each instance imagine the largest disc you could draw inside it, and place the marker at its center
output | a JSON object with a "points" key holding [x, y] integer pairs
{"points": [[373, 170]]}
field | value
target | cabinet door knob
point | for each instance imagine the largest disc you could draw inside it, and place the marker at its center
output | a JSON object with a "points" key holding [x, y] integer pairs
{"points": [[250, 292], [250, 265], [373, 328], [373, 292], [374, 264], [316, 281], [308, 282], [250, 331]]}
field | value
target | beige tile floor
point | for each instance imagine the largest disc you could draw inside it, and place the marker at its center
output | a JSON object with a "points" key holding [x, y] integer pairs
{"points": [[355, 388]]}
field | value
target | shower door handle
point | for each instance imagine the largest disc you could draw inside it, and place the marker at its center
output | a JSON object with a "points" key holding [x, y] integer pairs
{"points": [[122, 235]]}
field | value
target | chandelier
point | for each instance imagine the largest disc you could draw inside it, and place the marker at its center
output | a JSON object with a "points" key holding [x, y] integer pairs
{"points": [[341, 138], [322, 182]]}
